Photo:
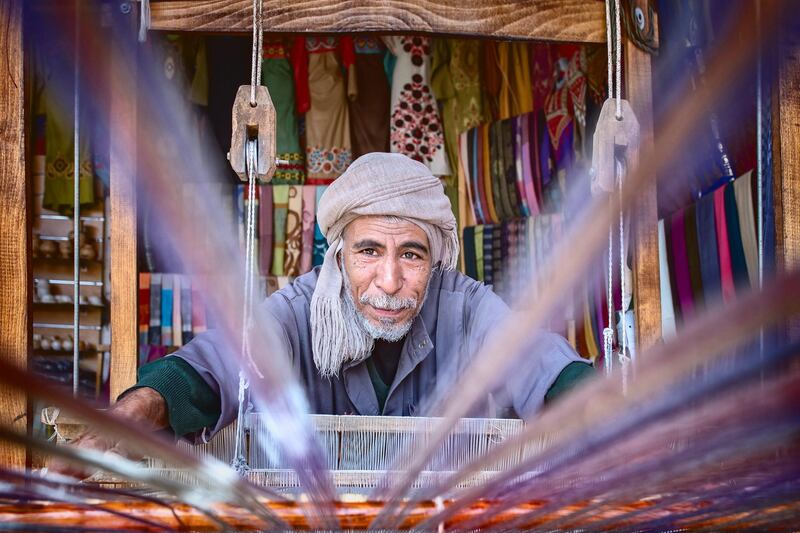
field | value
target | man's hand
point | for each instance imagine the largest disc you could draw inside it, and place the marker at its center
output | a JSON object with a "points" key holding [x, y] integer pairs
{"points": [[143, 408]]}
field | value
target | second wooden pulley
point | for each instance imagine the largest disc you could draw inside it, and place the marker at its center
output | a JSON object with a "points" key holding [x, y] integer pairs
{"points": [[253, 123]]}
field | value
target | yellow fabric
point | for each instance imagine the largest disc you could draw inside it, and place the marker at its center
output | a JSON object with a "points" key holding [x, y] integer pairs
{"points": [[516, 93], [591, 344]]}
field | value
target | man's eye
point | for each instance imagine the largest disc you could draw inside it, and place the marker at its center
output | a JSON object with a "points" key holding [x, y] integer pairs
{"points": [[410, 255], [368, 251]]}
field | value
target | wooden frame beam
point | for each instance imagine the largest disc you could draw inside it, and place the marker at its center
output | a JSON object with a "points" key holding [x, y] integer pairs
{"points": [[15, 294], [547, 20], [122, 200], [646, 278], [786, 140]]}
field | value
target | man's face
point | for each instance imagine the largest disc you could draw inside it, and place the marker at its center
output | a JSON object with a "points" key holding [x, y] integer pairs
{"points": [[387, 266]]}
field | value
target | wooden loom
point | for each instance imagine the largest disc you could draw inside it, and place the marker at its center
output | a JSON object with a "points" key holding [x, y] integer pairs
{"points": [[570, 20]]}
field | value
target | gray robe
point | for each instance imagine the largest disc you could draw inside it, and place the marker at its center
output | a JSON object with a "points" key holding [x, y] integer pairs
{"points": [[454, 320]]}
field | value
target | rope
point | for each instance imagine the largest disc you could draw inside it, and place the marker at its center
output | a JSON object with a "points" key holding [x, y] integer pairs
{"points": [[76, 209], [618, 42], [144, 20], [258, 36], [251, 165], [608, 331]]}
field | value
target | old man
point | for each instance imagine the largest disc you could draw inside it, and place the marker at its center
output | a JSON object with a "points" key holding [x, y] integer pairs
{"points": [[375, 329]]}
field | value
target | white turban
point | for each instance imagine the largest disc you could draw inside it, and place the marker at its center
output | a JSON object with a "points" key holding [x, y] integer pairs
{"points": [[379, 184]]}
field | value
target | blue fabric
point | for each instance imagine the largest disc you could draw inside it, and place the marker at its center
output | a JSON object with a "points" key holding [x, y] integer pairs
{"points": [[707, 246]]}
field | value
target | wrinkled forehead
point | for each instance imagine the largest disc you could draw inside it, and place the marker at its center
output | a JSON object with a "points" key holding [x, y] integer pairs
{"points": [[383, 227]]}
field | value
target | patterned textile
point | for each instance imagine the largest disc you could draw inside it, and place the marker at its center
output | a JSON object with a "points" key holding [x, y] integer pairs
{"points": [[470, 258], [294, 231], [277, 76], [321, 94], [416, 129], [309, 209], [52, 103], [488, 250], [369, 109], [280, 204], [265, 221]]}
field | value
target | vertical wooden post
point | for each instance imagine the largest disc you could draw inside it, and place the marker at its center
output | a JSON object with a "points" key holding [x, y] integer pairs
{"points": [[15, 327], [646, 285], [786, 140], [122, 198]]}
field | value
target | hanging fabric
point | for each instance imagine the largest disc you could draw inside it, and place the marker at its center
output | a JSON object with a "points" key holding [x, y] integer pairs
{"points": [[294, 231], [416, 128], [280, 213], [369, 109], [278, 77], [743, 191], [707, 246], [309, 210], [667, 310], [325, 79]]}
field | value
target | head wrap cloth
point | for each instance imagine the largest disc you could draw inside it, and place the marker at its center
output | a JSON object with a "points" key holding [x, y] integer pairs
{"points": [[378, 184]]}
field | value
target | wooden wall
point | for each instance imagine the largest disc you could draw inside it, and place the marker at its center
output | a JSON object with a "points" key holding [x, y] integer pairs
{"points": [[15, 298]]}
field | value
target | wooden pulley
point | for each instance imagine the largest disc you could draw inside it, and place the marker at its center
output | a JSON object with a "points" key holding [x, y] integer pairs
{"points": [[614, 138], [253, 123]]}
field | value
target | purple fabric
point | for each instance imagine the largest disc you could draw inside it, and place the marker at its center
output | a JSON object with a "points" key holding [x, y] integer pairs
{"points": [[682, 275], [527, 169]]}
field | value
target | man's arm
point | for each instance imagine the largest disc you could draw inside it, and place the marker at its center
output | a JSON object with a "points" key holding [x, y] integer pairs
{"points": [[144, 408], [546, 366]]}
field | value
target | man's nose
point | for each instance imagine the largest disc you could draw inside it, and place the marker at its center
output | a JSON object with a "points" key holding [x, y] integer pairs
{"points": [[389, 277]]}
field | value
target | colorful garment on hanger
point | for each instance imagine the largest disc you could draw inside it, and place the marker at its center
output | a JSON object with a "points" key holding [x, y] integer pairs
{"points": [[488, 251], [681, 264], [320, 244], [667, 309], [186, 309], [478, 244], [738, 261], [725, 264], [369, 109], [265, 222], [514, 190], [742, 188], [707, 246], [470, 257], [500, 193], [416, 128], [565, 106], [280, 209], [515, 97], [53, 101], [492, 78], [277, 76], [324, 80], [693, 255], [468, 208], [294, 231], [309, 213]]}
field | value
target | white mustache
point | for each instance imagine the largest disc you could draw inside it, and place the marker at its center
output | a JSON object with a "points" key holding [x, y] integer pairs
{"points": [[388, 303]]}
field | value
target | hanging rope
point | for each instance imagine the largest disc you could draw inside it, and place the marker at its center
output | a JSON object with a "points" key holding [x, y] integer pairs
{"points": [[614, 60], [258, 36], [251, 165], [76, 209]]}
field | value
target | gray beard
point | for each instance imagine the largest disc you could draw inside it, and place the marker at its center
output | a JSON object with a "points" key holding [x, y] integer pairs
{"points": [[359, 333], [386, 331]]}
